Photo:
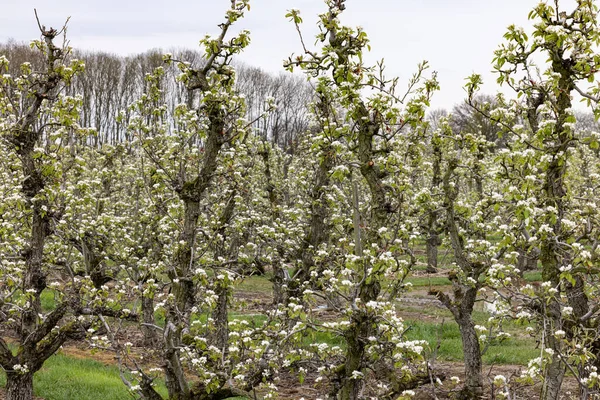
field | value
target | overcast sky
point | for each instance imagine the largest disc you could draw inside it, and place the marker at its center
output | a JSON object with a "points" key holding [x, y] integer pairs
{"points": [[457, 37]]}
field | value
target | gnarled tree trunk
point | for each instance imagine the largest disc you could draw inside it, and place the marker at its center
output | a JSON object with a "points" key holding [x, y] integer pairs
{"points": [[19, 386], [472, 358]]}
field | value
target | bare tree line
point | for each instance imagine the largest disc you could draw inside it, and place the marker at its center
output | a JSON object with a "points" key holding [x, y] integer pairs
{"points": [[111, 83]]}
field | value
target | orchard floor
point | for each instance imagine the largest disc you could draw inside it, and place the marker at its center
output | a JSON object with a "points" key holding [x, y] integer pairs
{"points": [[424, 315], [289, 389]]}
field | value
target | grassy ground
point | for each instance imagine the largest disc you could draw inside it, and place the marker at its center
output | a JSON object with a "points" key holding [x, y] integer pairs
{"points": [[425, 323], [515, 350], [65, 377]]}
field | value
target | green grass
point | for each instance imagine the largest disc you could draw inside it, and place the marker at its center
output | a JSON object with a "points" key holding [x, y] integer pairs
{"points": [[262, 284], [421, 281], [428, 281], [48, 301], [256, 283], [89, 380], [253, 318], [64, 377], [514, 350], [533, 276], [324, 337]]}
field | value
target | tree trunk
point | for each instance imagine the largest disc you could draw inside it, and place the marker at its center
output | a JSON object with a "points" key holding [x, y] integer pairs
{"points": [[220, 337], [464, 298], [472, 358], [351, 388], [555, 372], [19, 386], [527, 260], [279, 281], [183, 287], [552, 255], [433, 242], [318, 231], [175, 379], [363, 326], [151, 337], [279, 278]]}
